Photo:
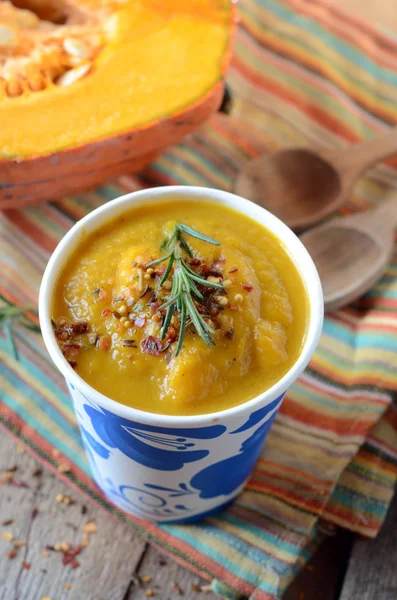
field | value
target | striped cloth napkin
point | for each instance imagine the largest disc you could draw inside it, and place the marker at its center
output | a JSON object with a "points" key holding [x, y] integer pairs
{"points": [[304, 73]]}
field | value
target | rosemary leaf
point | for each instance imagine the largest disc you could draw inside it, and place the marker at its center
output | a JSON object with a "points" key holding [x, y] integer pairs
{"points": [[197, 234], [168, 270], [182, 330], [184, 285], [7, 326]]}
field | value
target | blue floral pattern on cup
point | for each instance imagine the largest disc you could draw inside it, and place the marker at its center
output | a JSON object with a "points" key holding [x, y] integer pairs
{"points": [[155, 447], [171, 474]]}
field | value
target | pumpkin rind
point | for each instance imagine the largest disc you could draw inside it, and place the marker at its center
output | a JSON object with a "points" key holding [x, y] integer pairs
{"points": [[48, 176]]}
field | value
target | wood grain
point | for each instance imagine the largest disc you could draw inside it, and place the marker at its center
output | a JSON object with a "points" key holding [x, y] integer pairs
{"points": [[372, 572], [116, 562], [111, 566]]}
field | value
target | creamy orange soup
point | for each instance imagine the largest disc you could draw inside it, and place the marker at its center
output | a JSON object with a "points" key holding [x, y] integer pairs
{"points": [[110, 323]]}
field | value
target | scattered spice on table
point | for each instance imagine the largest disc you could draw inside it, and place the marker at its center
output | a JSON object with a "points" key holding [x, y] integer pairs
{"points": [[146, 578], [7, 535], [149, 592], [64, 468], [26, 566], [89, 527], [176, 589]]}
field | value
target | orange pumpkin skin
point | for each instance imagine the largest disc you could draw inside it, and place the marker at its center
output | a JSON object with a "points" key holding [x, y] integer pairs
{"points": [[41, 178]]}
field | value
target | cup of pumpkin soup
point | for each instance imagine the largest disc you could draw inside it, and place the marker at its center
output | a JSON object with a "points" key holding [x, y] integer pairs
{"points": [[179, 317]]}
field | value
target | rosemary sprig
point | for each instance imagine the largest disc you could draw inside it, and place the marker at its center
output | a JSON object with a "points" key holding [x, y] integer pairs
{"points": [[11, 313], [184, 285]]}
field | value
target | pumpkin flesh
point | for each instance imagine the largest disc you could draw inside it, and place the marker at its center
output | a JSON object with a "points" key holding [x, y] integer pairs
{"points": [[144, 60]]}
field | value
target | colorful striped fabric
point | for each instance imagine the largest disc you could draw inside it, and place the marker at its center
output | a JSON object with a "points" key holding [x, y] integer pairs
{"points": [[304, 73]]}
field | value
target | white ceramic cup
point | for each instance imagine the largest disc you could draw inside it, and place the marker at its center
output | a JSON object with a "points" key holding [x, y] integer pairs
{"points": [[173, 468]]}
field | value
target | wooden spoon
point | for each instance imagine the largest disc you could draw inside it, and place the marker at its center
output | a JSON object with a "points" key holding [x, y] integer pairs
{"points": [[351, 253], [302, 187]]}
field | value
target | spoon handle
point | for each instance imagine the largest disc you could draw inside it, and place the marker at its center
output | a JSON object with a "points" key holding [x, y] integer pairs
{"points": [[351, 162], [388, 209]]}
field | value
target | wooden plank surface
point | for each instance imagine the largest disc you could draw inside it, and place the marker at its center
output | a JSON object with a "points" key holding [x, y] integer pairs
{"points": [[116, 561], [111, 567], [372, 572]]}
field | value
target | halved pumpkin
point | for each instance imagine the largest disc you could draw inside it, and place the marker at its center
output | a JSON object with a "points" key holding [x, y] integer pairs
{"points": [[90, 89]]}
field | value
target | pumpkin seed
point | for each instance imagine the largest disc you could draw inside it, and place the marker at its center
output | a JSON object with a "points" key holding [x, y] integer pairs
{"points": [[73, 75], [7, 35], [27, 18], [76, 47], [14, 88]]}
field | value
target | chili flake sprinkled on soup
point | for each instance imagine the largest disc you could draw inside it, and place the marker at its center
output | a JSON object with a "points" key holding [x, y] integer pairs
{"points": [[181, 309]]}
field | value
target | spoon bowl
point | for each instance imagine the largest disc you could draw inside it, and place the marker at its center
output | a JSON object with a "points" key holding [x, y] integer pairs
{"points": [[302, 187], [296, 185], [352, 253]]}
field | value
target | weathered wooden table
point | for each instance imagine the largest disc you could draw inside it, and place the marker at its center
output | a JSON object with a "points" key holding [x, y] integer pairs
{"points": [[118, 565]]}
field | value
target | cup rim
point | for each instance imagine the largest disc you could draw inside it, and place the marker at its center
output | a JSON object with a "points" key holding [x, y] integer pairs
{"points": [[109, 211]]}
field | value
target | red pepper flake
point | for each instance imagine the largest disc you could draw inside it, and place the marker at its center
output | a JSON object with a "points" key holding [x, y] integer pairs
{"points": [[140, 321], [172, 333], [7, 522], [26, 566], [17, 483], [151, 345], [80, 327], [215, 272], [195, 262], [176, 589], [247, 286], [69, 557], [229, 333], [233, 270], [106, 312], [12, 553]]}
